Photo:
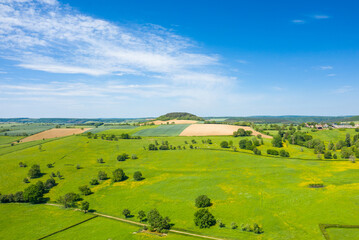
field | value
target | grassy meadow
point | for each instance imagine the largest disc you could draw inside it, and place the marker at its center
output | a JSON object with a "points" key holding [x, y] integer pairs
{"points": [[243, 187]]}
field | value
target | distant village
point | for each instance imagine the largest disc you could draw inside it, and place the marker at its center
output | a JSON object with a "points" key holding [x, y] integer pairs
{"points": [[331, 125]]}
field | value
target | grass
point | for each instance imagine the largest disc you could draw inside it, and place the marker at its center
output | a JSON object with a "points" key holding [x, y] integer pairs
{"points": [[129, 131], [163, 130], [24, 129], [343, 233], [244, 188], [104, 128]]}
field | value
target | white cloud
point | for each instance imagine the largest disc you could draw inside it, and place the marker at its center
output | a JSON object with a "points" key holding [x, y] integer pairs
{"points": [[321, 16], [325, 67], [276, 88], [343, 89], [46, 36], [298, 21], [331, 75], [242, 61]]}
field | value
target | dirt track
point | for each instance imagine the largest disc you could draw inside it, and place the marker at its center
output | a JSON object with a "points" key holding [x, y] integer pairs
{"points": [[216, 130], [53, 133]]}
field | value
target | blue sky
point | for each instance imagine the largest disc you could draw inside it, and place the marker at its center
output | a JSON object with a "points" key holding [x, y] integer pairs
{"points": [[145, 58]]}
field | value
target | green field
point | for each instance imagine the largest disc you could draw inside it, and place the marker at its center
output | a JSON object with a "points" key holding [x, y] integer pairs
{"points": [[244, 188], [104, 128], [23, 129], [162, 131], [343, 233]]}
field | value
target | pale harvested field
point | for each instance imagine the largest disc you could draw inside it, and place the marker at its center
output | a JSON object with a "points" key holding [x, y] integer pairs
{"points": [[175, 121], [216, 130], [53, 133]]}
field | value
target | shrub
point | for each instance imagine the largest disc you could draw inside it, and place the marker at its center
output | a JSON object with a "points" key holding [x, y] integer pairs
{"points": [[94, 182], [163, 147], [203, 201], [49, 165], [118, 175], [50, 183], [328, 155], [224, 144], [33, 194], [134, 156], [26, 180], [233, 224], [204, 219], [256, 151], [272, 152], [283, 153], [152, 147], [69, 199], [34, 171], [137, 176], [21, 164], [221, 224], [157, 222], [277, 141], [85, 206], [85, 190], [100, 160], [122, 157], [141, 215], [257, 229], [102, 175], [126, 213]]}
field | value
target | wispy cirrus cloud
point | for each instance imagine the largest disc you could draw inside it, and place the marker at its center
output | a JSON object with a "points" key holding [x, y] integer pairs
{"points": [[298, 21], [343, 89], [47, 36], [321, 16], [325, 67]]}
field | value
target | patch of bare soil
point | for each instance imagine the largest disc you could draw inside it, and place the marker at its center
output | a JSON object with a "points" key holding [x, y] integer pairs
{"points": [[53, 133]]}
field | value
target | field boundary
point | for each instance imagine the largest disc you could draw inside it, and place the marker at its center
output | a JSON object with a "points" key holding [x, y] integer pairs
{"points": [[97, 214], [64, 229], [302, 159], [323, 228]]}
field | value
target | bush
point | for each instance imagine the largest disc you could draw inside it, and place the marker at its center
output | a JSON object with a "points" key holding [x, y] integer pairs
{"points": [[119, 175], [69, 199], [283, 153], [137, 176], [102, 175], [152, 147], [26, 180], [33, 194], [272, 152], [34, 171], [141, 215], [50, 183], [157, 222], [224, 144], [85, 206], [122, 157], [234, 225], [204, 219], [277, 141], [134, 156], [100, 160], [257, 229], [85, 190], [126, 213], [203, 201], [328, 155], [94, 182], [256, 151]]}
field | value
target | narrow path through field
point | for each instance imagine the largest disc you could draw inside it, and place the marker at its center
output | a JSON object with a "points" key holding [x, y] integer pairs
{"points": [[141, 224]]}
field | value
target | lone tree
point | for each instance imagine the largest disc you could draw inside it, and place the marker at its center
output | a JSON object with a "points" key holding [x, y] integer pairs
{"points": [[277, 141], [102, 175], [69, 199], [85, 206], [203, 201], [157, 222], [224, 144], [122, 157], [137, 176], [34, 171], [204, 219], [85, 190], [118, 175], [126, 213], [141, 215]]}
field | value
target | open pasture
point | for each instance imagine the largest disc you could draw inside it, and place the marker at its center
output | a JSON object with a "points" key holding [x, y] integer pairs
{"points": [[23, 129], [162, 130], [244, 188], [104, 128]]}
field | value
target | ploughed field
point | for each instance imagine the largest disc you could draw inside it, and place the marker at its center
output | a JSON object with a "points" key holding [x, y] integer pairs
{"points": [[244, 188], [54, 133]]}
